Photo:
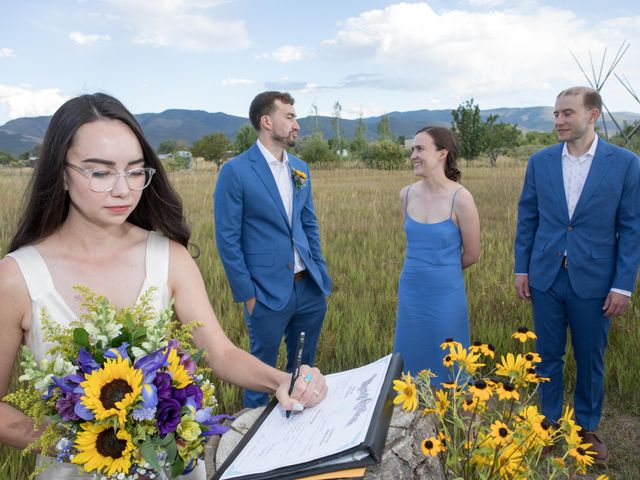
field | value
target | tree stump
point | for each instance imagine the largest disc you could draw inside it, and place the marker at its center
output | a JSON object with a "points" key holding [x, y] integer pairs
{"points": [[402, 457]]}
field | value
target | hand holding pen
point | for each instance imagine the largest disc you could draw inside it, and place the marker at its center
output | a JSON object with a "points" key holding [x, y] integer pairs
{"points": [[306, 387]]}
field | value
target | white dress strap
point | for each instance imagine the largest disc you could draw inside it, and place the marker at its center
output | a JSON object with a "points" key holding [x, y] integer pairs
{"points": [[157, 259], [34, 270]]}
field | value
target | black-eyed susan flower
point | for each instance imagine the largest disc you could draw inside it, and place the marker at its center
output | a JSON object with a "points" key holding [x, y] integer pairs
{"points": [[179, 374], [511, 366], [582, 456], [431, 447], [481, 390], [511, 461], [507, 391], [500, 433], [447, 361], [112, 389], [523, 334], [101, 448], [407, 394], [442, 402], [448, 385], [468, 360], [450, 343], [470, 403], [602, 477], [532, 357]]}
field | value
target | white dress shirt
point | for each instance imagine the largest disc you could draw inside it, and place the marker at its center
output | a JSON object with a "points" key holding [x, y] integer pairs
{"points": [[574, 173], [281, 172]]}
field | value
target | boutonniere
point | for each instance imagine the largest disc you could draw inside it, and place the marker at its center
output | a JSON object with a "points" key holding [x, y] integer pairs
{"points": [[299, 178]]}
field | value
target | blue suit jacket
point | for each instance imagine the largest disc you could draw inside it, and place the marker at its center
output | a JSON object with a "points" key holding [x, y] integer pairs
{"points": [[602, 238], [255, 240]]}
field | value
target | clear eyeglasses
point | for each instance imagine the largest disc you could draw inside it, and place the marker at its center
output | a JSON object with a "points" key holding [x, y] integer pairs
{"points": [[104, 180]]}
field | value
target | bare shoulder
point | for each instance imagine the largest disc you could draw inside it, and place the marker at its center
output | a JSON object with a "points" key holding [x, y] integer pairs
{"points": [[404, 190], [182, 266], [464, 196], [14, 294]]}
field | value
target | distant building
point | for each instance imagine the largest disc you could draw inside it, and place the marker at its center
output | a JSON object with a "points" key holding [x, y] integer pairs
{"points": [[33, 161]]}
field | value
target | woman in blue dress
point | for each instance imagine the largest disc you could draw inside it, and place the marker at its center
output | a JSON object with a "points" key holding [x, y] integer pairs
{"points": [[443, 237]]}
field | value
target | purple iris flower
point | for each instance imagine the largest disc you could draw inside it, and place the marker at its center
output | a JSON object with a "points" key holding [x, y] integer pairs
{"points": [[149, 395], [191, 391], [82, 411], [151, 363], [163, 385], [114, 352], [66, 405], [86, 361], [168, 415], [213, 426], [188, 364], [66, 384]]}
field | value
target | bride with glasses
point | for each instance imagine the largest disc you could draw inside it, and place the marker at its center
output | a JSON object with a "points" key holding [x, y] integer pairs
{"points": [[100, 212]]}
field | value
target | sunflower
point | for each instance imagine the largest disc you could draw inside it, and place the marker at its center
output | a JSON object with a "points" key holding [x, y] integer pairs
{"points": [[523, 334], [431, 446], [178, 373], [111, 389], [101, 448], [407, 394]]}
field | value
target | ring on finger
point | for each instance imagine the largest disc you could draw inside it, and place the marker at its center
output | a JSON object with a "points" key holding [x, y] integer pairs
{"points": [[308, 377]]}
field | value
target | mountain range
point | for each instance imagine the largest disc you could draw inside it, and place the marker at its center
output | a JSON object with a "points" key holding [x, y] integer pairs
{"points": [[22, 134]]}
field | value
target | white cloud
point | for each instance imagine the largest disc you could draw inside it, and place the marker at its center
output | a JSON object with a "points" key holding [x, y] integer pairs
{"points": [[87, 39], [285, 54], [24, 101], [455, 54], [185, 24], [232, 82], [7, 53]]}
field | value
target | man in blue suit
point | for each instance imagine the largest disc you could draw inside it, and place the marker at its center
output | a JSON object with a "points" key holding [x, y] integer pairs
{"points": [[268, 239], [577, 252]]}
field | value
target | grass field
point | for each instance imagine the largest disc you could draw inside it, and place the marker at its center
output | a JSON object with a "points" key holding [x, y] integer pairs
{"points": [[363, 241]]}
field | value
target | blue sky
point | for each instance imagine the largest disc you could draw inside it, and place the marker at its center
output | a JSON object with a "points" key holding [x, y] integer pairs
{"points": [[373, 56]]}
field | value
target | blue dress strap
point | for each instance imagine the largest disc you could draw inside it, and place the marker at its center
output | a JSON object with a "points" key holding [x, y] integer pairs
{"points": [[453, 201]]}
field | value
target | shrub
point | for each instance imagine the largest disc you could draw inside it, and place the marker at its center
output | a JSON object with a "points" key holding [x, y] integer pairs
{"points": [[385, 155]]}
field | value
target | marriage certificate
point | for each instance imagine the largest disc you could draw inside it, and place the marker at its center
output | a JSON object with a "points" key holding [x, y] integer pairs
{"points": [[337, 424]]}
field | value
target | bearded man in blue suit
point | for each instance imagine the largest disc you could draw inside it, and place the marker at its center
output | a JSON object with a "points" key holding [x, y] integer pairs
{"points": [[268, 240], [577, 252]]}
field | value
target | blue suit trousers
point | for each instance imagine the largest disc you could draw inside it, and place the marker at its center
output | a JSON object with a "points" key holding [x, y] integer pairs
{"points": [[303, 313], [553, 311]]}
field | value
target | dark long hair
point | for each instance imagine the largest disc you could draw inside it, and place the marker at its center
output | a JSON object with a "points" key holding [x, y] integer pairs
{"points": [[47, 202], [444, 138]]}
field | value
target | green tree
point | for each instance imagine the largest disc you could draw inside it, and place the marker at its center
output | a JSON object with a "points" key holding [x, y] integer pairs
{"points": [[359, 142], [336, 125], [172, 146], [212, 147], [245, 137], [383, 128], [498, 137], [540, 138], [629, 138], [467, 125], [385, 155], [6, 158], [316, 119], [314, 149]]}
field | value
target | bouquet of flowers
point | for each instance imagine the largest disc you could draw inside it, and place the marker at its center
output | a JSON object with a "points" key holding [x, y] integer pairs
{"points": [[120, 392], [487, 425]]}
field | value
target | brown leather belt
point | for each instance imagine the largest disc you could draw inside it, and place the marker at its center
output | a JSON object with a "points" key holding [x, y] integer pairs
{"points": [[299, 275]]}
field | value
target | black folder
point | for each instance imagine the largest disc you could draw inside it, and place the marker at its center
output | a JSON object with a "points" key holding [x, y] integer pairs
{"points": [[369, 452]]}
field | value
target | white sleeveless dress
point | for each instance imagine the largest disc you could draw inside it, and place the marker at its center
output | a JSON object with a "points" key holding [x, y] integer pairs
{"points": [[44, 295]]}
